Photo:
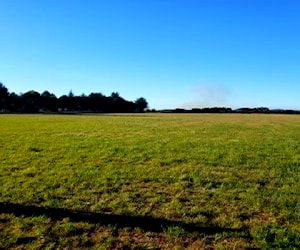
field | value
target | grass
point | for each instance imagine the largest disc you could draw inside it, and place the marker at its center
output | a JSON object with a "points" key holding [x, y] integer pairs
{"points": [[202, 181]]}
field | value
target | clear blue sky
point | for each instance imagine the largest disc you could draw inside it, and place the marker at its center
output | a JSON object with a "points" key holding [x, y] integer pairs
{"points": [[175, 53]]}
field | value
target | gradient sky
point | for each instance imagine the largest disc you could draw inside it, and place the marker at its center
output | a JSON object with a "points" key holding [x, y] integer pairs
{"points": [[175, 53]]}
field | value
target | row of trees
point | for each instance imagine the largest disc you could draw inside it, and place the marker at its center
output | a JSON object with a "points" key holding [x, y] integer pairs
{"points": [[32, 102], [260, 110]]}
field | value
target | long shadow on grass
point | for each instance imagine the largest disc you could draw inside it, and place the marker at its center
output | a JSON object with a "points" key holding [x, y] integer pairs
{"points": [[146, 223]]}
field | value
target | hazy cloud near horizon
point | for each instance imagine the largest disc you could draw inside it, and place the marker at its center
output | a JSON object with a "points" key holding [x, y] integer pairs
{"points": [[207, 95]]}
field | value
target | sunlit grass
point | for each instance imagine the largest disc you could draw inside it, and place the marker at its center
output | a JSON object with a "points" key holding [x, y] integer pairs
{"points": [[227, 171]]}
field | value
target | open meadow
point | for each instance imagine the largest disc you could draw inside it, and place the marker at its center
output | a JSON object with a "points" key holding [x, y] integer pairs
{"points": [[150, 181]]}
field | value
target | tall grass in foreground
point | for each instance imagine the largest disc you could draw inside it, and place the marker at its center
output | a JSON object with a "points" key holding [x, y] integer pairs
{"points": [[237, 175]]}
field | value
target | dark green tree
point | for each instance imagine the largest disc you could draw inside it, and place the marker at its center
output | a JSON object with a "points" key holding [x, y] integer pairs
{"points": [[14, 102], [48, 102], [141, 104], [31, 101], [3, 97]]}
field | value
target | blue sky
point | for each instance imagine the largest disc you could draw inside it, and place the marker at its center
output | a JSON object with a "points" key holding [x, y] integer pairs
{"points": [[175, 53]]}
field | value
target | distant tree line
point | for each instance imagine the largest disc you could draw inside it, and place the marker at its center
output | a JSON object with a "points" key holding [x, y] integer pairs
{"points": [[33, 102], [259, 110]]}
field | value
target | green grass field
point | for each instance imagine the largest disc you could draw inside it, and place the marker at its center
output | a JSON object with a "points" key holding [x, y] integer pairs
{"points": [[151, 181]]}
